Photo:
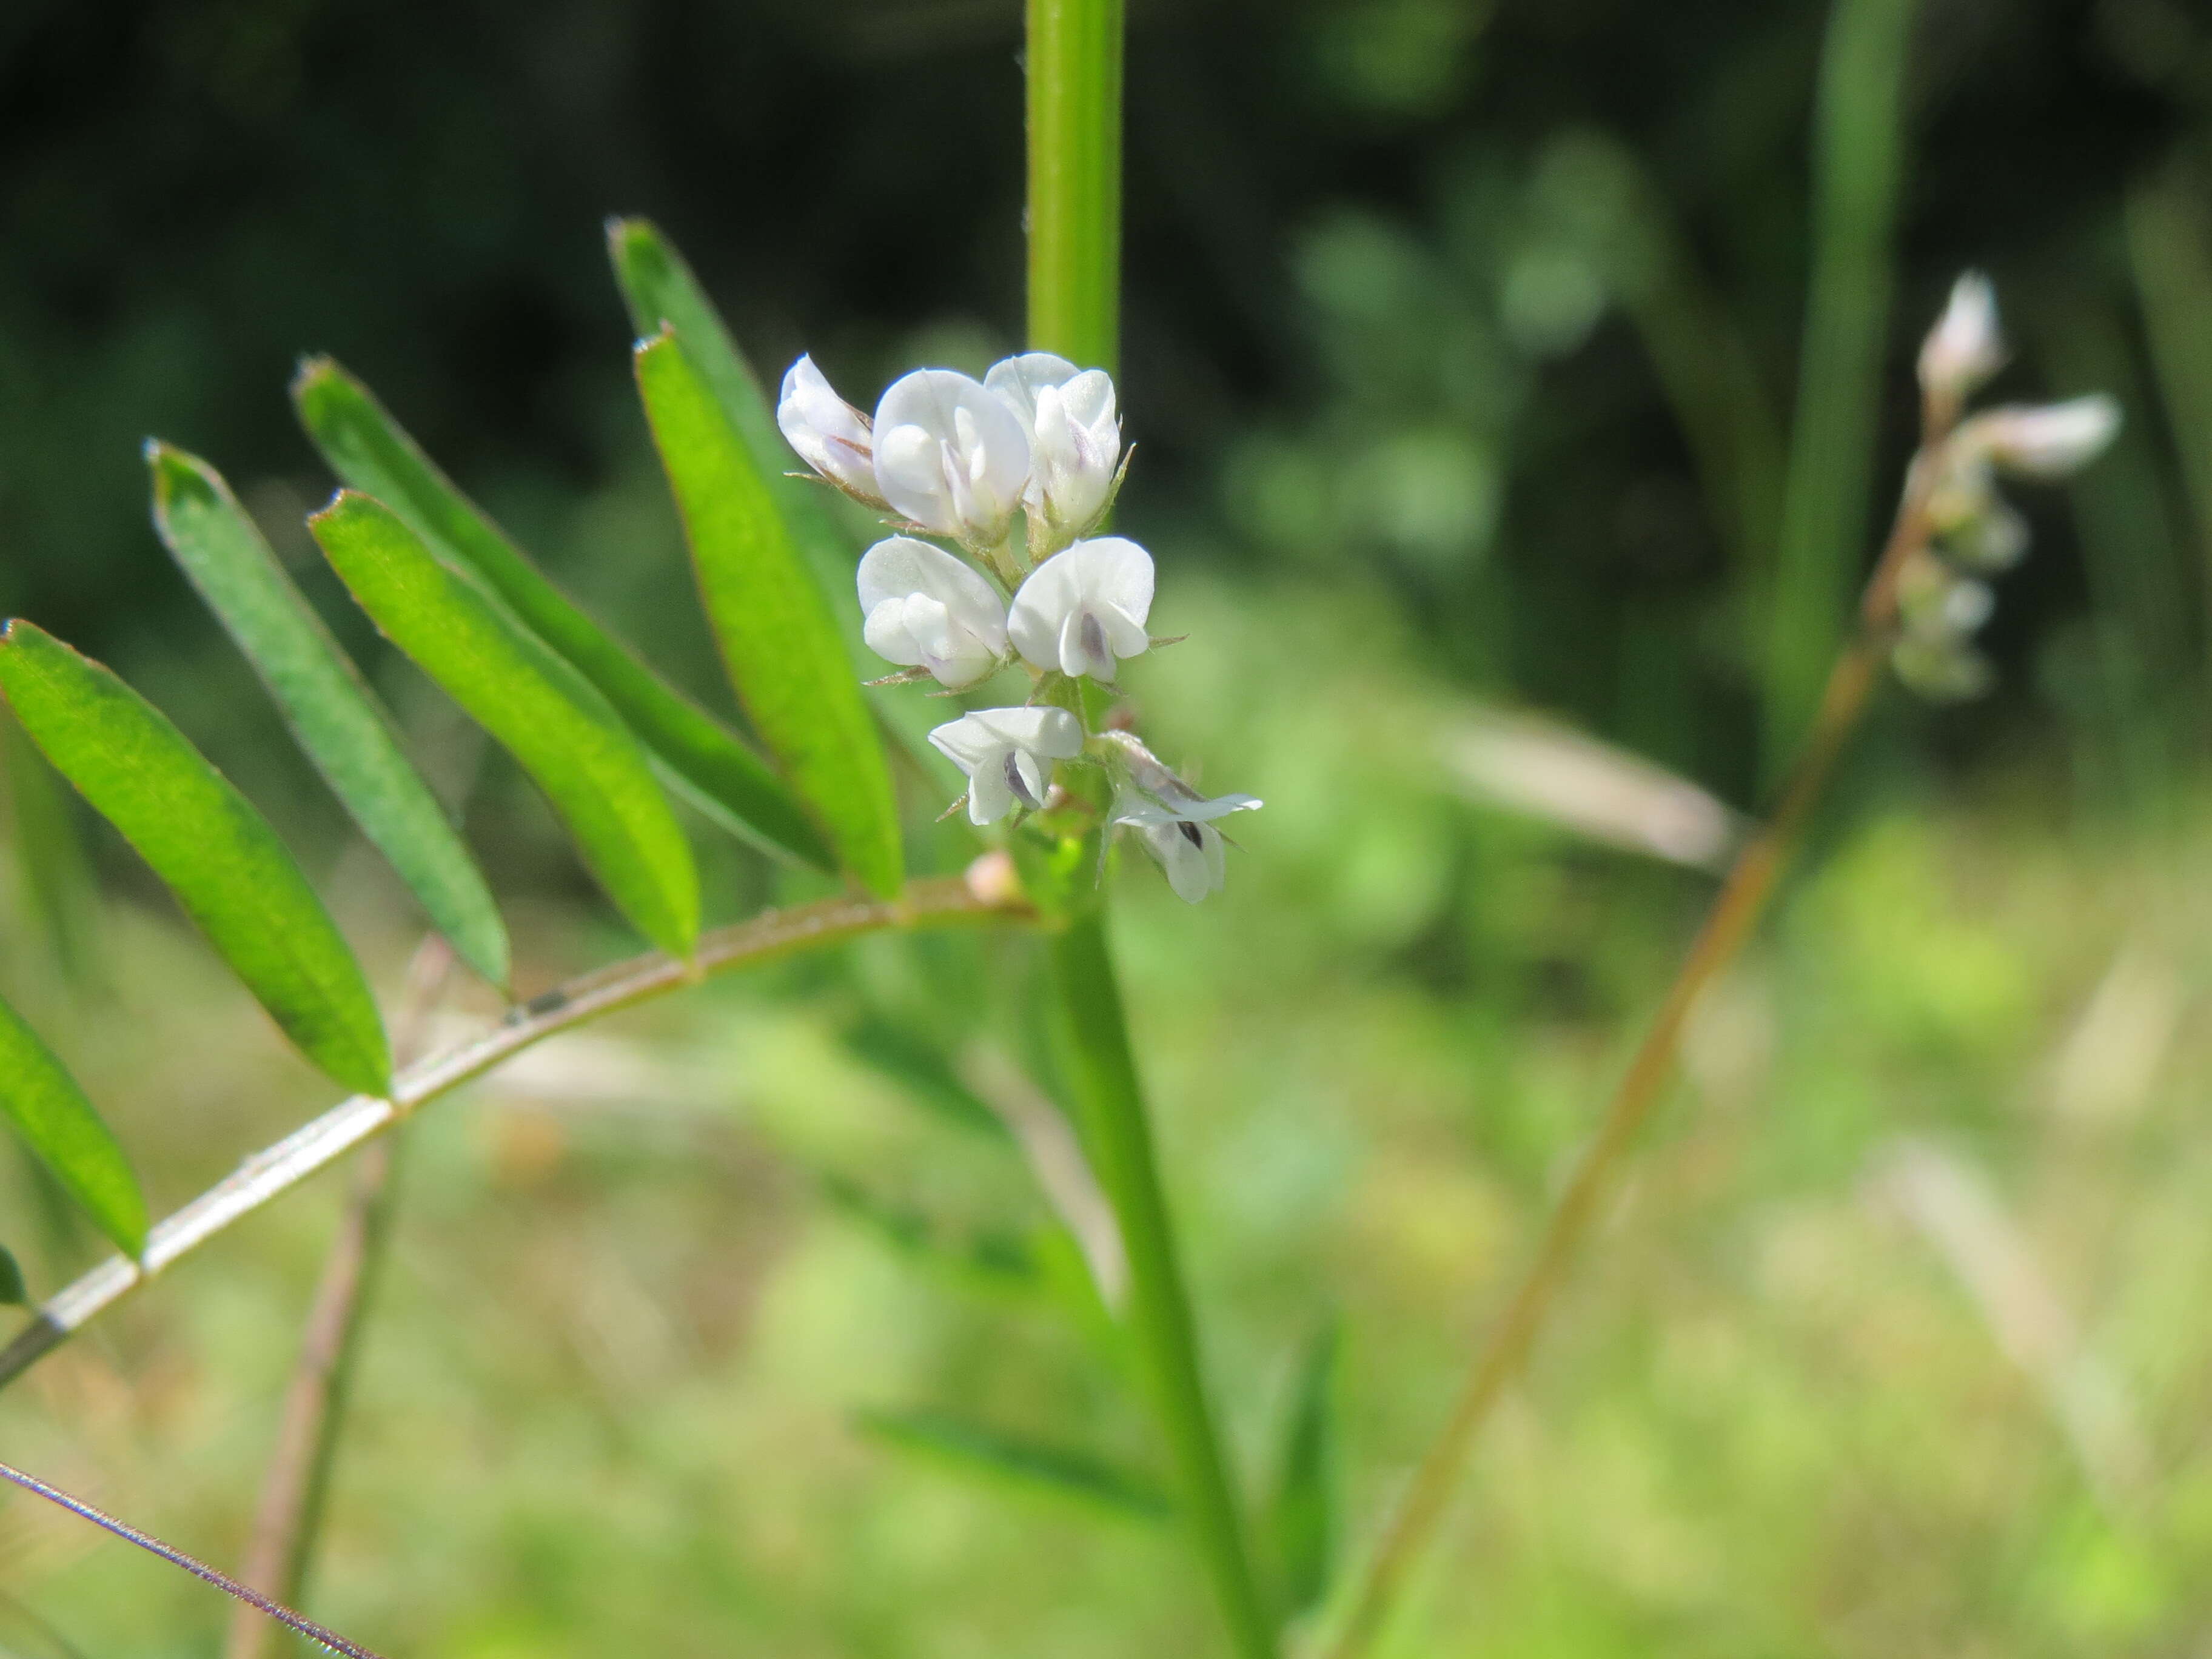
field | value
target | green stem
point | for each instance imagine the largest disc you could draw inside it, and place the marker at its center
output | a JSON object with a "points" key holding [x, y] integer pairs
{"points": [[1102, 1073], [1075, 59], [1074, 62]]}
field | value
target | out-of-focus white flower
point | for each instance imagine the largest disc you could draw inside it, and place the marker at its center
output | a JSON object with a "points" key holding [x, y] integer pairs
{"points": [[1940, 611], [1965, 348], [1083, 610], [1075, 441], [830, 435], [2042, 440], [1007, 754], [925, 609], [951, 456]]}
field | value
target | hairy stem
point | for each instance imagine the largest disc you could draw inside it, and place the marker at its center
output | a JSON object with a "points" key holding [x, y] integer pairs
{"points": [[271, 1173], [199, 1568], [296, 1486], [1735, 910]]}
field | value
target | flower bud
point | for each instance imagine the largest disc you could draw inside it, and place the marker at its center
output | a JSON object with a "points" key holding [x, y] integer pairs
{"points": [[1007, 754], [830, 435], [925, 609], [1075, 442], [1965, 348], [1082, 609], [951, 456], [2043, 441]]}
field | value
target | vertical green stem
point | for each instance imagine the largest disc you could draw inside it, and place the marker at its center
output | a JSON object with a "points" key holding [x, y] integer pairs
{"points": [[1074, 63], [1859, 154]]}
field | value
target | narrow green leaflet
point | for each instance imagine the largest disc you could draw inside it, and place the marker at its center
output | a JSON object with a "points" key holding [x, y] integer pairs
{"points": [[995, 1263], [58, 876], [371, 452], [1300, 1522], [1006, 1460], [14, 1293], [217, 853], [42, 1100], [329, 707], [658, 287], [779, 641], [541, 709]]}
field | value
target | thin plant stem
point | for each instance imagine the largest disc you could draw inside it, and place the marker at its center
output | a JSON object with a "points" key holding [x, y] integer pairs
{"points": [[276, 1171], [1074, 65], [222, 1581], [1735, 910], [296, 1488]]}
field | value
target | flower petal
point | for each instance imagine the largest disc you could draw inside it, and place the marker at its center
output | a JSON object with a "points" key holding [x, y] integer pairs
{"points": [[900, 565]]}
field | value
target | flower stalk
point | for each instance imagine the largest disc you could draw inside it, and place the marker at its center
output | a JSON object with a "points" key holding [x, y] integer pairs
{"points": [[1925, 545]]}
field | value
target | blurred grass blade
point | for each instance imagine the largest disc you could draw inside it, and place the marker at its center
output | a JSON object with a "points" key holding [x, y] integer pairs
{"points": [[14, 1293], [217, 853], [2169, 228], [371, 452], [779, 641], [1859, 149], [545, 713], [327, 704], [42, 1100], [1300, 1519], [996, 1263], [58, 876], [1006, 1460], [658, 287], [921, 1069]]}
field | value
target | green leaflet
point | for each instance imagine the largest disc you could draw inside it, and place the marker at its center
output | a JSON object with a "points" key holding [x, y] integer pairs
{"points": [[1004, 1460], [203, 839], [328, 706], [371, 452], [42, 1100], [778, 639], [541, 709], [14, 1293], [58, 882], [658, 287], [1300, 1521]]}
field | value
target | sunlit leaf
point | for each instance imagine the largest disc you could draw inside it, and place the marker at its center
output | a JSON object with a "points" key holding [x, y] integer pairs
{"points": [[371, 452], [778, 640], [658, 286], [541, 709], [1300, 1520], [329, 707], [1007, 1460], [42, 1100], [217, 853]]}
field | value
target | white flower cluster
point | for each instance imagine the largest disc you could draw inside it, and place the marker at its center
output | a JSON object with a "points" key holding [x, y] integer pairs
{"points": [[957, 458], [1943, 596]]}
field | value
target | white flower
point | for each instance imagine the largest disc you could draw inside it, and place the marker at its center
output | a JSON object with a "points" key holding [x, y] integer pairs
{"points": [[1075, 440], [1007, 754], [1082, 609], [1174, 821], [925, 609], [1965, 348], [1191, 855], [2042, 440], [830, 435], [951, 456]]}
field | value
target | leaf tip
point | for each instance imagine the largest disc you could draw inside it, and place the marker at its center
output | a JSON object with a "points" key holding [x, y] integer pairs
{"points": [[649, 344]]}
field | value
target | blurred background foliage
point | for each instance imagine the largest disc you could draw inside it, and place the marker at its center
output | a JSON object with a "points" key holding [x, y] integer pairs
{"points": [[1463, 346]]}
